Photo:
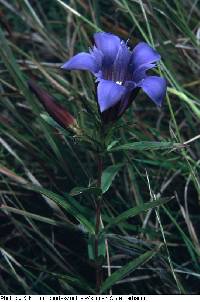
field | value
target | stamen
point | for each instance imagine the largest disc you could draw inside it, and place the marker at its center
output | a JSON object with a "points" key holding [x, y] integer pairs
{"points": [[118, 82]]}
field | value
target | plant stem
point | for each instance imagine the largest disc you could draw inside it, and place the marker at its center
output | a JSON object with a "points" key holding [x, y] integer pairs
{"points": [[98, 215]]}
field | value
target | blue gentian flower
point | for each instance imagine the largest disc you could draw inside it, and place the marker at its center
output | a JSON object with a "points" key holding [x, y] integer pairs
{"points": [[120, 73]]}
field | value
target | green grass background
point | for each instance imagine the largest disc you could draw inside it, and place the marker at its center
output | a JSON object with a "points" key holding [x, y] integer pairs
{"points": [[46, 220]]}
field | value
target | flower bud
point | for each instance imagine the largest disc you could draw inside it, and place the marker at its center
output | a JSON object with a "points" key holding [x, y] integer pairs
{"points": [[56, 111]]}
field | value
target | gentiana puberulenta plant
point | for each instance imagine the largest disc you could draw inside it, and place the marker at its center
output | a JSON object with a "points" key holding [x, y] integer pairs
{"points": [[120, 73]]}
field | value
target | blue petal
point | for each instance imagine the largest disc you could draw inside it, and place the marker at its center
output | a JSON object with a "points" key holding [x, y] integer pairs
{"points": [[109, 93], [120, 66], [140, 72], [155, 88], [127, 97], [143, 54], [97, 55], [82, 61], [109, 44]]}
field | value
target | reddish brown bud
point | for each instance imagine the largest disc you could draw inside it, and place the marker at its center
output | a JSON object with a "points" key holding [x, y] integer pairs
{"points": [[56, 111]]}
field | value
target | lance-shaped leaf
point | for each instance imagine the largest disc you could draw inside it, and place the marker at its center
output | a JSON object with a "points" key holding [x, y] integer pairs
{"points": [[108, 176], [126, 269], [145, 145], [130, 213], [56, 111]]}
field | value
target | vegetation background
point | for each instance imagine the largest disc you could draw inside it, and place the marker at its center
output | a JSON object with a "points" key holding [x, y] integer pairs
{"points": [[45, 232]]}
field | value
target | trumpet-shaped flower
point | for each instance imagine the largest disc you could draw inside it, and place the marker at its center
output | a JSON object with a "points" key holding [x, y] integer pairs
{"points": [[120, 73]]}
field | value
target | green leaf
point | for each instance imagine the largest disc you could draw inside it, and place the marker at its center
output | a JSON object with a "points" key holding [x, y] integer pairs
{"points": [[65, 204], [145, 145], [126, 269], [101, 247], [80, 190], [49, 120], [136, 211], [108, 176], [91, 249], [31, 215], [111, 145]]}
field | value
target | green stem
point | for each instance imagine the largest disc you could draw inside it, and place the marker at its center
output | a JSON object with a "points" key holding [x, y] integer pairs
{"points": [[97, 227]]}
